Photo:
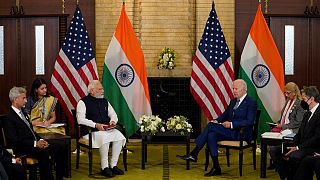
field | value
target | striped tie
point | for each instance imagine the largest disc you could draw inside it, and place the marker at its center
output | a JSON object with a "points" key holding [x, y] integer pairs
{"points": [[28, 124]]}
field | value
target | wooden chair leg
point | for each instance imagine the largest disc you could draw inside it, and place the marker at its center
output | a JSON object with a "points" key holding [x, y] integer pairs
{"points": [[207, 159], [124, 156], [254, 157], [78, 156], [90, 161], [33, 173], [228, 157], [240, 161]]}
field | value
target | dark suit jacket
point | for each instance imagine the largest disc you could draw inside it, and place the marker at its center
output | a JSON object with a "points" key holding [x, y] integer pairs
{"points": [[244, 115], [309, 132], [19, 135]]}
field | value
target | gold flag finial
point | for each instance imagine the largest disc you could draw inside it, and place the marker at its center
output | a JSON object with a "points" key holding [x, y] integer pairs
{"points": [[266, 6], [63, 6]]}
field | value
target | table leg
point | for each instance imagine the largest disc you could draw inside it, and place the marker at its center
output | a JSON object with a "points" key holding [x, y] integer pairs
{"points": [[263, 159], [143, 152], [69, 157], [188, 151]]}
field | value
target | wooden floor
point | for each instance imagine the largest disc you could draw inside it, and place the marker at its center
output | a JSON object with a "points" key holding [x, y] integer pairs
{"points": [[163, 164]]}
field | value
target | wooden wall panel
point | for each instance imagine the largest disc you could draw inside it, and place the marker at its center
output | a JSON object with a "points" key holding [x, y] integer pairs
{"points": [[27, 61], [5, 6], [315, 52], [9, 78], [301, 53], [36, 7]]}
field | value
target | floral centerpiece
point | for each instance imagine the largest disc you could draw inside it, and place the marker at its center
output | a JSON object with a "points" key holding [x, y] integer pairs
{"points": [[179, 124], [166, 59], [151, 124]]}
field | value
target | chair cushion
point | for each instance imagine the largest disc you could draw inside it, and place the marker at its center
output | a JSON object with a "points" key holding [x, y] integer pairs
{"points": [[232, 143], [31, 161], [84, 141]]}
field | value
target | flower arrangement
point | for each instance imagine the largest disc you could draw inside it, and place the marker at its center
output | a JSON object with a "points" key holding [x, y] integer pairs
{"points": [[179, 124], [166, 59], [151, 124]]}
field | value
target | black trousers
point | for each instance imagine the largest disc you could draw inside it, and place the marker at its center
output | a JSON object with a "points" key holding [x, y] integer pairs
{"points": [[58, 150], [14, 171], [288, 168], [42, 155], [308, 165]]}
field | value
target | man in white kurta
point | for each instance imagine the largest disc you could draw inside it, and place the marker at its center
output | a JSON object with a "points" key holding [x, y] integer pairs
{"points": [[96, 112]]}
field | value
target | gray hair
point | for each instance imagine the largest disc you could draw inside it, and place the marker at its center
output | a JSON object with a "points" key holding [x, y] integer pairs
{"points": [[92, 85], [16, 92]]}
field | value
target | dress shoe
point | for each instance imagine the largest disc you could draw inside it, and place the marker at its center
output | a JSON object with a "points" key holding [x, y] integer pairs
{"points": [[115, 170], [188, 157], [213, 172], [107, 172], [271, 167]]}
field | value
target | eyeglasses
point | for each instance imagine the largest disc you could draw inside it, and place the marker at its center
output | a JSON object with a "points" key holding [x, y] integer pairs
{"points": [[287, 92]]}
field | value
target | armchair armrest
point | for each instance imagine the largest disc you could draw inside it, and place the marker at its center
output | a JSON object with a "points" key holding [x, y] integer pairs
{"points": [[89, 129], [121, 128]]}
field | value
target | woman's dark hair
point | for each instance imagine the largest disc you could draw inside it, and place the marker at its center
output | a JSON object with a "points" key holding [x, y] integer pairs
{"points": [[35, 85]]}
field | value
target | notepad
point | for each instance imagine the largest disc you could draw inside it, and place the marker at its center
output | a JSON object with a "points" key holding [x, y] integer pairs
{"points": [[53, 125], [277, 135]]}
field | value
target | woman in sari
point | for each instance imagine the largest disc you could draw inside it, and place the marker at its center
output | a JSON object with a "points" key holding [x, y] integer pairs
{"points": [[40, 108]]}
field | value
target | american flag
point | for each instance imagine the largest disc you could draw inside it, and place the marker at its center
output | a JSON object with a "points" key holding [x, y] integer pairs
{"points": [[212, 71], [75, 66]]}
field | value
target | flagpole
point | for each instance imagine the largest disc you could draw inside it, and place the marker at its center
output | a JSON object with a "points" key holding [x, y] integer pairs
{"points": [[63, 6]]}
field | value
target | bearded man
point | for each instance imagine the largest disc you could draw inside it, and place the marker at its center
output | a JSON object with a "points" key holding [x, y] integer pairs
{"points": [[96, 112]]}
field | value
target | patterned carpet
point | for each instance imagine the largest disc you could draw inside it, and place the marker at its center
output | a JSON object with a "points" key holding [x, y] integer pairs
{"points": [[163, 164]]}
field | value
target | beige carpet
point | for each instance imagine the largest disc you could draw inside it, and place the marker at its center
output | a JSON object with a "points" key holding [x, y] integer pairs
{"points": [[163, 164]]}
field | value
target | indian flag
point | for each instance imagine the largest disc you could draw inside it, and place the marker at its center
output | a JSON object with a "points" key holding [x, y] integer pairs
{"points": [[124, 76], [262, 68]]}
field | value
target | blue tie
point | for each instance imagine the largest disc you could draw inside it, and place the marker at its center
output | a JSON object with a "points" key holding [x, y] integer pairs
{"points": [[235, 107]]}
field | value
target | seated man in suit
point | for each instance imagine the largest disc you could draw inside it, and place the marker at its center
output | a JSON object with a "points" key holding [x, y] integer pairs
{"points": [[96, 112], [306, 142], [21, 137], [308, 165], [12, 166], [241, 112]]}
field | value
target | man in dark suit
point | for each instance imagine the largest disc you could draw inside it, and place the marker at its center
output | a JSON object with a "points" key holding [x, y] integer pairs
{"points": [[21, 137], [306, 142], [12, 166], [241, 112]]}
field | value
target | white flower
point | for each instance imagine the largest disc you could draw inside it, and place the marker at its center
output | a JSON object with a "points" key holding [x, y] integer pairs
{"points": [[151, 124], [162, 129], [166, 59], [179, 124]]}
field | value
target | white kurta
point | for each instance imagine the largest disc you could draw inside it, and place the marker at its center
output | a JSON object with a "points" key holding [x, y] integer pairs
{"points": [[100, 137]]}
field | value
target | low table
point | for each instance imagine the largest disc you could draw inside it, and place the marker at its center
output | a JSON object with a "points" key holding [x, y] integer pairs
{"points": [[163, 138]]}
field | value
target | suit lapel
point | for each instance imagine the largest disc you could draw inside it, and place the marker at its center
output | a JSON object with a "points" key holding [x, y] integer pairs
{"points": [[243, 103], [313, 118]]}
